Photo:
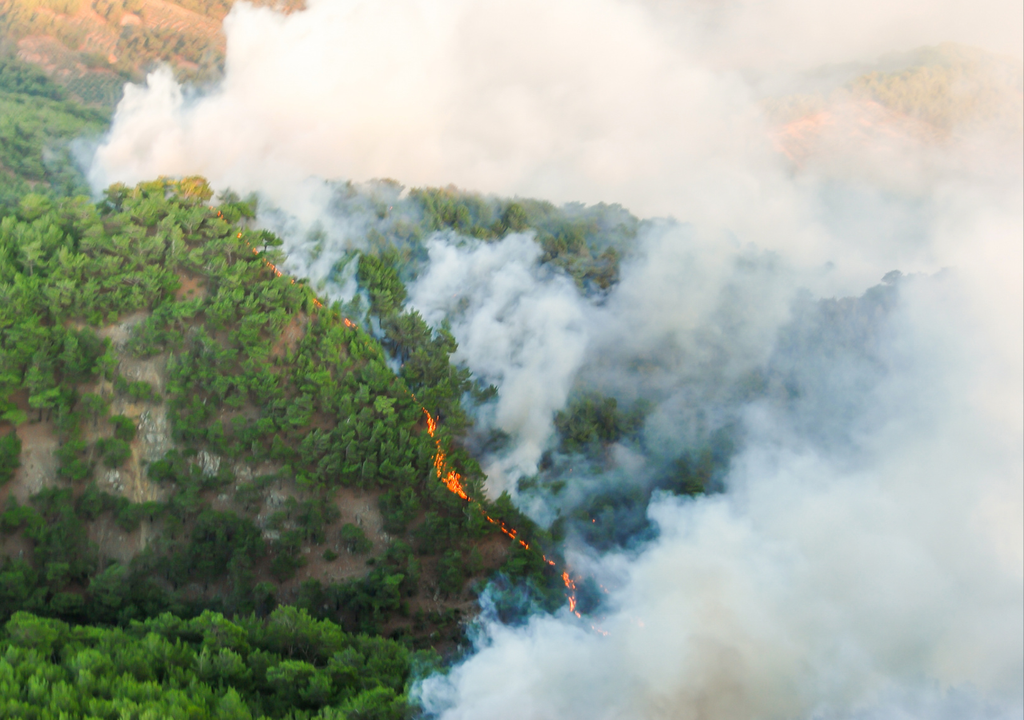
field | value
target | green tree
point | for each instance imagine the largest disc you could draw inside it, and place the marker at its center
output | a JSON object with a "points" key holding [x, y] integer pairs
{"points": [[10, 456], [353, 539]]}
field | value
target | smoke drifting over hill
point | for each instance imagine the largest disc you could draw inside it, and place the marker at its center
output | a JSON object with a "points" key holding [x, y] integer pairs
{"points": [[865, 560], [608, 101]]}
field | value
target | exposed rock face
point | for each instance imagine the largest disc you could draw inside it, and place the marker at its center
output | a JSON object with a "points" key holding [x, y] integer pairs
{"points": [[209, 462], [38, 461], [153, 432], [154, 438]]}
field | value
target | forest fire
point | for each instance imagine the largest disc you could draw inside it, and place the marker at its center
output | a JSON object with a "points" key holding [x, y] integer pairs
{"points": [[453, 481], [277, 271], [571, 587]]}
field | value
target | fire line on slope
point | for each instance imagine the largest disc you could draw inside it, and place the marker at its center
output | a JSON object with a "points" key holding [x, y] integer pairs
{"points": [[451, 479]]}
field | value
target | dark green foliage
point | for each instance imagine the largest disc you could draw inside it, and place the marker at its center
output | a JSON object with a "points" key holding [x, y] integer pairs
{"points": [[379, 276], [287, 665], [514, 218], [614, 518], [138, 391], [19, 517], [467, 213], [19, 588], [233, 209], [216, 539], [129, 515], [114, 451], [534, 584], [107, 592], [592, 421], [436, 533], [24, 79], [313, 518], [353, 539], [93, 407], [450, 575], [366, 603], [124, 428], [691, 475], [585, 242], [171, 468], [398, 507], [93, 502], [165, 327], [618, 517], [36, 125], [59, 536], [264, 597], [320, 403], [10, 456], [308, 520], [287, 557]]}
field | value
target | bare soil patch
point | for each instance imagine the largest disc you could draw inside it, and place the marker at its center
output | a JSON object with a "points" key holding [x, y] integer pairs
{"points": [[192, 287]]}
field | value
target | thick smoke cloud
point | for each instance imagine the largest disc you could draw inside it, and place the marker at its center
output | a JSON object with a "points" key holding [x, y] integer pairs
{"points": [[699, 313], [510, 97], [523, 330], [866, 560], [870, 570], [570, 100]]}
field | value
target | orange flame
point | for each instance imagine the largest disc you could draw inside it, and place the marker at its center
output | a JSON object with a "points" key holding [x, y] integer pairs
{"points": [[275, 269], [570, 585], [451, 479]]}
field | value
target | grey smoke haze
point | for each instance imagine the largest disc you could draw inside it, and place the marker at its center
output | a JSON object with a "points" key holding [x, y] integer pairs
{"points": [[824, 584], [866, 561], [682, 307], [568, 100]]}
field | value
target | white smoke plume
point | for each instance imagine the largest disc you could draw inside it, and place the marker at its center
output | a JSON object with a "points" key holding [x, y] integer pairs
{"points": [[876, 575], [882, 582], [866, 560], [569, 100], [523, 332]]}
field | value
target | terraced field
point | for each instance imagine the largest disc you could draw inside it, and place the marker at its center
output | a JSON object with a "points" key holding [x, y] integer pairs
{"points": [[93, 47]]}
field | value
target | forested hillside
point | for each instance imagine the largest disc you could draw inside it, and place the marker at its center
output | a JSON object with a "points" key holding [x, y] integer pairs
{"points": [[37, 127], [185, 429], [287, 665], [223, 495]]}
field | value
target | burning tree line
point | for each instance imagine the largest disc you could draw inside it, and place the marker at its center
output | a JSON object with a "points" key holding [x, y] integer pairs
{"points": [[321, 405]]}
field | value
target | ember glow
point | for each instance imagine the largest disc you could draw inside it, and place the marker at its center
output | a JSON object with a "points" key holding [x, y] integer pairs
{"points": [[274, 269], [570, 585], [453, 481]]}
